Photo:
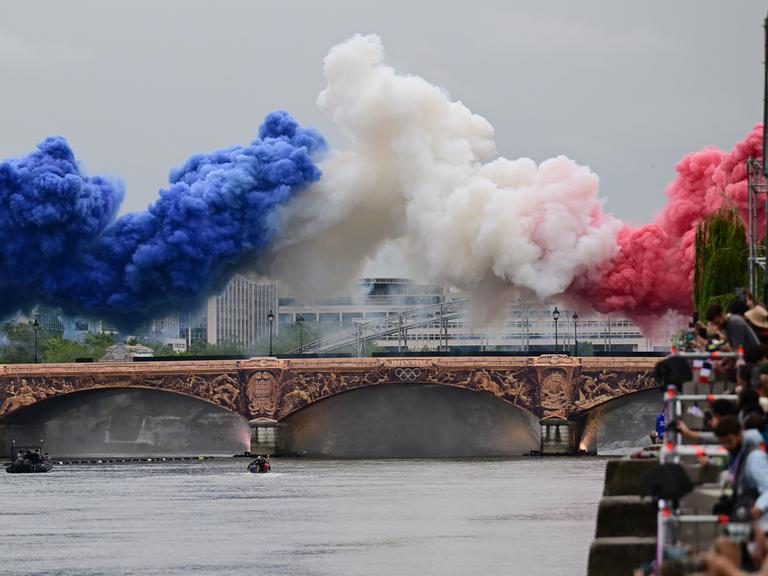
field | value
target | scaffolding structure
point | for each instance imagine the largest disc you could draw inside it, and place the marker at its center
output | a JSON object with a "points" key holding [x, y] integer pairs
{"points": [[758, 247]]}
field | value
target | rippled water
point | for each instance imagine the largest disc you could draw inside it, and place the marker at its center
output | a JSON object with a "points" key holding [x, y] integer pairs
{"points": [[410, 517]]}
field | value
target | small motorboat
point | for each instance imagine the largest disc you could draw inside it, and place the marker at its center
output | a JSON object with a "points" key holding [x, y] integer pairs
{"points": [[259, 466], [28, 461]]}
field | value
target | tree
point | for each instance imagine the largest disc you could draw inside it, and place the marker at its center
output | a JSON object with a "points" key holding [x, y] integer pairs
{"points": [[58, 349], [159, 349], [96, 343], [203, 348], [290, 338], [17, 342], [721, 263]]}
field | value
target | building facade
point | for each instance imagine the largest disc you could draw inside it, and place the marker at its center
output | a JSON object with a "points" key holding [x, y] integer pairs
{"points": [[527, 326], [238, 316]]}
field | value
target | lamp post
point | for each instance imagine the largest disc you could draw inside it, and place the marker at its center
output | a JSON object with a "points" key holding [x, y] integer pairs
{"points": [[300, 320], [556, 317], [36, 328], [575, 319], [271, 319]]}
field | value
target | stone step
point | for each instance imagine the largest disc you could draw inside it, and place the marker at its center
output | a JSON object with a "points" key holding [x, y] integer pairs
{"points": [[622, 476], [612, 556], [702, 499], [626, 516]]}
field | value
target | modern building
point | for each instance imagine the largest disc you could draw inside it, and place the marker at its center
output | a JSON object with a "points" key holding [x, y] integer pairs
{"points": [[527, 326], [50, 319], [55, 322], [238, 316], [373, 298]]}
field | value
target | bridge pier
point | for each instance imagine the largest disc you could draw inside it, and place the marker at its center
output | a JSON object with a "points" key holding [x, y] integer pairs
{"points": [[266, 437], [26, 435], [560, 436]]}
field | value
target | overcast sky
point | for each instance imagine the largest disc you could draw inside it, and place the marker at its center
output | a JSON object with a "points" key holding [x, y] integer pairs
{"points": [[626, 88]]}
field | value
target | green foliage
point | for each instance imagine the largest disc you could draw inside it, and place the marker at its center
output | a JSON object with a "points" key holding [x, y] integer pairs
{"points": [[59, 349], [97, 343], [158, 348], [203, 348], [721, 262], [19, 345], [17, 342], [290, 338]]}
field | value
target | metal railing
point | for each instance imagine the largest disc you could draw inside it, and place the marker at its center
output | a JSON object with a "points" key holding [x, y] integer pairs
{"points": [[397, 323], [757, 195], [673, 450]]}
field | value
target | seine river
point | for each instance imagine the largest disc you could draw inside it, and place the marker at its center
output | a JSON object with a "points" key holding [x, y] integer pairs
{"points": [[523, 516]]}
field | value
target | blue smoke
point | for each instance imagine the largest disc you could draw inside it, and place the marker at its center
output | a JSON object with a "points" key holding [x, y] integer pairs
{"points": [[60, 243]]}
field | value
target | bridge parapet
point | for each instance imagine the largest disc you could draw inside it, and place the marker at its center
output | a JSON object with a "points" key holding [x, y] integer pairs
{"points": [[546, 386]]}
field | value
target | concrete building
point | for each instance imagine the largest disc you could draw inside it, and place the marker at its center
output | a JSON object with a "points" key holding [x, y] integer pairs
{"points": [[238, 316], [373, 298], [529, 326], [55, 322]]}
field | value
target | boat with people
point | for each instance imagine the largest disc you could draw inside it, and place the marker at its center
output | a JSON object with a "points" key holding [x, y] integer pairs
{"points": [[29, 461], [259, 465]]}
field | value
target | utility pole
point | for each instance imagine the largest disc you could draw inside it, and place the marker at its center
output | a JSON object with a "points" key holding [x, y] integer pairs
{"points": [[765, 142]]}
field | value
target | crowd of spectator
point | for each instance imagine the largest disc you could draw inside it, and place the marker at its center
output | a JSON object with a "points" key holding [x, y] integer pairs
{"points": [[741, 428]]}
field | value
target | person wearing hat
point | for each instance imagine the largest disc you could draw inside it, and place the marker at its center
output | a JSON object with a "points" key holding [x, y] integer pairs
{"points": [[757, 317], [738, 332]]}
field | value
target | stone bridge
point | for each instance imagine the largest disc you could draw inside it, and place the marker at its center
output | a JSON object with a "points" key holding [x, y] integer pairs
{"points": [[554, 388]]}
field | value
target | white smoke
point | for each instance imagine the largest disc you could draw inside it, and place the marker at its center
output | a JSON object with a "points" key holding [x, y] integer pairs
{"points": [[420, 170]]}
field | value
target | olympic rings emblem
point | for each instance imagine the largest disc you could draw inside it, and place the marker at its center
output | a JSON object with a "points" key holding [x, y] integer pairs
{"points": [[408, 374]]}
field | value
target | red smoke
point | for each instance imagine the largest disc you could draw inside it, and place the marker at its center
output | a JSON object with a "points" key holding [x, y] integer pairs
{"points": [[653, 270]]}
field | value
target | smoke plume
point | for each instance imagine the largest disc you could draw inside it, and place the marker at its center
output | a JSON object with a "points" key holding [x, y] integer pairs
{"points": [[419, 172], [653, 270], [59, 242], [421, 167]]}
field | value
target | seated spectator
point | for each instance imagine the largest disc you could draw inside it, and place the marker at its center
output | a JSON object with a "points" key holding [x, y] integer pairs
{"points": [[749, 401], [755, 420], [717, 409], [744, 377], [738, 333], [748, 469], [757, 316]]}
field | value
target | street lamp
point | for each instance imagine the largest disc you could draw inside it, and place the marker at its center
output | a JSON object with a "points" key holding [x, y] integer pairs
{"points": [[35, 328], [271, 319], [300, 320], [575, 319], [556, 316]]}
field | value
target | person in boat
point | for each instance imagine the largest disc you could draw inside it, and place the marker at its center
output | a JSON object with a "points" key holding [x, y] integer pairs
{"points": [[260, 463]]}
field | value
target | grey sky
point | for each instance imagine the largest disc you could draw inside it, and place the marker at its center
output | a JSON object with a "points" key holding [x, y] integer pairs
{"points": [[626, 88]]}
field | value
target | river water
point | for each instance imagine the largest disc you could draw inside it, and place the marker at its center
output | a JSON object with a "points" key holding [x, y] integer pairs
{"points": [[524, 516]]}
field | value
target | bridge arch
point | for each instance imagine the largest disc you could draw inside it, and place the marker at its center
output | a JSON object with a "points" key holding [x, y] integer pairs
{"points": [[140, 420], [16, 410], [623, 423], [301, 398], [410, 420], [609, 403]]}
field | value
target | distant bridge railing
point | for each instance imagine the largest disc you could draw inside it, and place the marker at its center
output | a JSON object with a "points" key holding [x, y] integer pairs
{"points": [[398, 323]]}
